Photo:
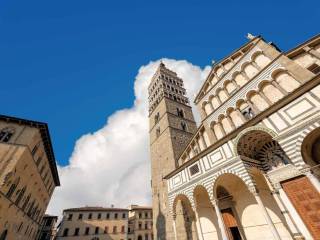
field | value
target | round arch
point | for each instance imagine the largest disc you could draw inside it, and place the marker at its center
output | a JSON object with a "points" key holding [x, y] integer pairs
{"points": [[183, 197], [246, 179], [269, 131], [310, 149]]}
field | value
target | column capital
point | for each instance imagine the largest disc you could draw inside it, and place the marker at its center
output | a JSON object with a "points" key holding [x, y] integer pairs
{"points": [[254, 190], [214, 201]]}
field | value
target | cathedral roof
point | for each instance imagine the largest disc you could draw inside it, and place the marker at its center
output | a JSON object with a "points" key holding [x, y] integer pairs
{"points": [[216, 64]]}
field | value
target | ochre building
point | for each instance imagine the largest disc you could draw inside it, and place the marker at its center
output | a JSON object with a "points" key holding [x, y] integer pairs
{"points": [[250, 170], [48, 228], [140, 223], [28, 176], [99, 223]]}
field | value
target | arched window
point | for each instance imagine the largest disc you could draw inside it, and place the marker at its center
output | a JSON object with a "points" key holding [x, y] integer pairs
{"points": [[13, 188], [246, 111], [6, 134], [157, 117], [261, 60], [184, 126], [26, 202], [222, 95], [180, 112], [286, 81], [35, 149], [65, 232], [272, 93], [230, 87], [20, 195], [240, 79], [250, 70]]}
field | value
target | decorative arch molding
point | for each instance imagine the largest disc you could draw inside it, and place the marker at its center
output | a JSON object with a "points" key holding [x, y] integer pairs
{"points": [[176, 197], [255, 54], [200, 185], [302, 136], [249, 129], [248, 181]]}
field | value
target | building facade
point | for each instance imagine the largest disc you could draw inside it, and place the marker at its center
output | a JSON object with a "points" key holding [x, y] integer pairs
{"points": [[251, 168], [140, 223], [48, 228], [98, 223], [28, 176]]}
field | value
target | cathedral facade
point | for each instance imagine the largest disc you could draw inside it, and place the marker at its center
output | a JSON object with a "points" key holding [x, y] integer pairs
{"points": [[251, 169]]}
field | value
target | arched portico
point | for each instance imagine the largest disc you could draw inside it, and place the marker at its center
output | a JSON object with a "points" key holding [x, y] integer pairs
{"points": [[184, 219], [265, 158], [240, 212], [258, 144], [208, 226]]}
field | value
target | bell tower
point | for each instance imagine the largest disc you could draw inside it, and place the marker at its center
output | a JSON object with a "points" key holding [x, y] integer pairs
{"points": [[172, 126]]}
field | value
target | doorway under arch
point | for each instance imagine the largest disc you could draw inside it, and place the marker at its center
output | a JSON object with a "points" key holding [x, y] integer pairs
{"points": [[241, 214]]}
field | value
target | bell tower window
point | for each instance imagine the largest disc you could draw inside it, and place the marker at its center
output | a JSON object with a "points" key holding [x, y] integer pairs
{"points": [[184, 126], [6, 134], [180, 112], [157, 117]]}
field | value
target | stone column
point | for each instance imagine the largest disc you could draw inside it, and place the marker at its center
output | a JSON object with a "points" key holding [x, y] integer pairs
{"points": [[198, 145], [281, 89], [219, 100], [235, 83], [220, 219], [314, 181], [253, 107], [203, 141], [245, 76], [266, 215], [256, 66], [293, 228], [214, 135], [174, 227], [265, 98], [198, 223], [231, 122], [241, 115], [211, 106]]}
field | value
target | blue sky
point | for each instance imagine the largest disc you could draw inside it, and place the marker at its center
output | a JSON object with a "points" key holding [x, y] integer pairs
{"points": [[73, 63]]}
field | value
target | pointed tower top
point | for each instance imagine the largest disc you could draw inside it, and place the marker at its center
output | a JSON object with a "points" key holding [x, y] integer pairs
{"points": [[161, 64]]}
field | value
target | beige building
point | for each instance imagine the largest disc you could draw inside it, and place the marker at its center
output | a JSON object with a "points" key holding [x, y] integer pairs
{"points": [[251, 169], [98, 223], [48, 228], [28, 176], [140, 223]]}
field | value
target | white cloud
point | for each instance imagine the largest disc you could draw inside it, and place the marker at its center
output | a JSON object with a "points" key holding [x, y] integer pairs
{"points": [[112, 165]]}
